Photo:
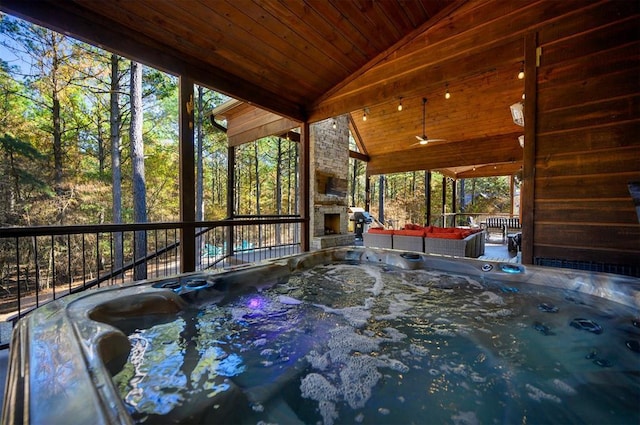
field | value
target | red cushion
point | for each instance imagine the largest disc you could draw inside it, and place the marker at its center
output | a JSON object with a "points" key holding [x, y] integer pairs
{"points": [[381, 231], [407, 232], [444, 235], [463, 233]]}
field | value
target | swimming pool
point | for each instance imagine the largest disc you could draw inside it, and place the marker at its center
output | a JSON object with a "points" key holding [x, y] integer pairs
{"points": [[349, 335]]}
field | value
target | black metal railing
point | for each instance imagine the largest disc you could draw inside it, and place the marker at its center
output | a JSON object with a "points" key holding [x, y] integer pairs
{"points": [[41, 264]]}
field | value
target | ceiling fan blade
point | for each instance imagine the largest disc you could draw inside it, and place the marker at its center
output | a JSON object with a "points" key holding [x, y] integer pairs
{"points": [[420, 142], [423, 141]]}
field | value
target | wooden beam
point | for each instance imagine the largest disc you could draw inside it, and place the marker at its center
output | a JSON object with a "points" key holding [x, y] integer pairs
{"points": [[359, 156], [72, 19], [489, 170], [356, 135], [271, 128], [444, 155], [527, 193]]}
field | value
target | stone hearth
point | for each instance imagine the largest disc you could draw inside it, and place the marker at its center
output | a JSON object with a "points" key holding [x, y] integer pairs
{"points": [[329, 173]]}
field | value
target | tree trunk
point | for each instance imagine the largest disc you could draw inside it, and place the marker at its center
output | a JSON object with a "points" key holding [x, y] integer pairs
{"points": [[137, 162], [57, 126], [116, 171]]}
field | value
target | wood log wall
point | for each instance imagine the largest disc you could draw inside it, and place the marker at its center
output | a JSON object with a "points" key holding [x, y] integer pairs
{"points": [[587, 146]]}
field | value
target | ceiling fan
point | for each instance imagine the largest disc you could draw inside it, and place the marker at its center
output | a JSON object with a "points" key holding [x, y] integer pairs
{"points": [[424, 140]]}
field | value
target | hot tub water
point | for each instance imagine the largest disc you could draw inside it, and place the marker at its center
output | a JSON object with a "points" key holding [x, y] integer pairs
{"points": [[369, 343]]}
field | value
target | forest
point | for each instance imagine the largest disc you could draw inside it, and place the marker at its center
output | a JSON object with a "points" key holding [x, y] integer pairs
{"points": [[88, 137]]}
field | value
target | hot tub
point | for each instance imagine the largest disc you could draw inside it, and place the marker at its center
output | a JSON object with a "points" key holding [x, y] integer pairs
{"points": [[346, 335]]}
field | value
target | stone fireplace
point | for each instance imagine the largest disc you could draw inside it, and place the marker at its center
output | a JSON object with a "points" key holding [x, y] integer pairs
{"points": [[329, 159], [331, 224]]}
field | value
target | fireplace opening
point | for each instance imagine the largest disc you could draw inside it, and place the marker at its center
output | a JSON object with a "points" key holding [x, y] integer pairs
{"points": [[331, 224]]}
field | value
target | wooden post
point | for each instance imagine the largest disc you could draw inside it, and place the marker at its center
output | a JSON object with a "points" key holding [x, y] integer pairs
{"points": [[527, 192], [367, 193], [381, 199], [454, 199], [231, 195], [305, 187], [511, 193], [427, 197], [444, 201], [187, 178]]}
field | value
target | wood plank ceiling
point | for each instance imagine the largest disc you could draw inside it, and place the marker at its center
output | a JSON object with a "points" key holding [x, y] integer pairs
{"points": [[316, 59]]}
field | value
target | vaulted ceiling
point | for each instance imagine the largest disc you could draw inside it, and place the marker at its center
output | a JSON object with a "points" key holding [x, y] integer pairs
{"points": [[315, 59]]}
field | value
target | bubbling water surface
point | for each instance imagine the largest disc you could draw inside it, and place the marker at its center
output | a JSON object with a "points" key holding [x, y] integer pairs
{"points": [[366, 343]]}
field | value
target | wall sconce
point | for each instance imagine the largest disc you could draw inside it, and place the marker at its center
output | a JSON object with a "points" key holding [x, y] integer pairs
{"points": [[447, 95], [364, 114], [400, 105], [334, 124]]}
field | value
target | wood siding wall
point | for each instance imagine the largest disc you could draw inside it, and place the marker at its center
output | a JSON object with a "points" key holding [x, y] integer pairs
{"points": [[587, 146]]}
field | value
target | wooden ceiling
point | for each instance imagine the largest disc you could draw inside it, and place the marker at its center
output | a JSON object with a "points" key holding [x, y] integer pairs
{"points": [[315, 59]]}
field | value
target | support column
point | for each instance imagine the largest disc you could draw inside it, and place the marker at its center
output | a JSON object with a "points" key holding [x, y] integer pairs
{"points": [[444, 201], [187, 178], [305, 191], [454, 199], [367, 193], [427, 197], [511, 193], [527, 192], [381, 199], [231, 195]]}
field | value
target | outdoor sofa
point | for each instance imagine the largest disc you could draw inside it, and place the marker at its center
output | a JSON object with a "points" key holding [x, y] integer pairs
{"points": [[453, 241]]}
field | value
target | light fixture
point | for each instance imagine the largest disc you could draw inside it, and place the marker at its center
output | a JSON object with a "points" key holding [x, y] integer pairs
{"points": [[334, 124], [447, 95], [522, 96], [400, 105], [521, 140], [521, 73], [517, 113], [364, 114]]}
